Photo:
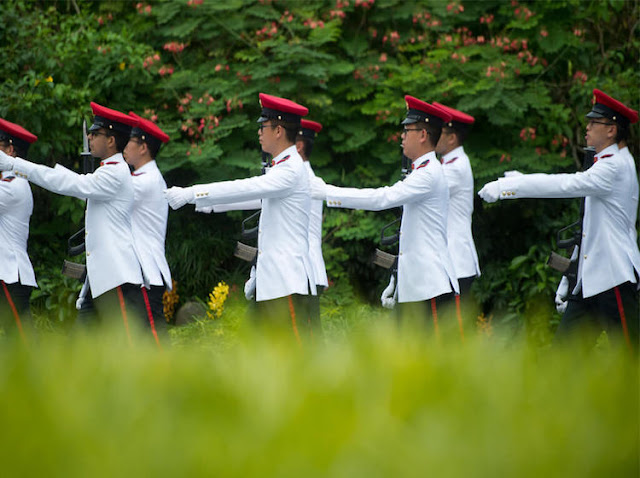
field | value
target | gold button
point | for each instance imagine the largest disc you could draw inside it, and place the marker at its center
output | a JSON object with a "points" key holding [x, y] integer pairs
{"points": [[585, 256], [504, 193]]}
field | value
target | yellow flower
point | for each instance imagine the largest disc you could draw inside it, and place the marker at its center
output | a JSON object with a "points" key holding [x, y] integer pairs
{"points": [[169, 300], [122, 65], [49, 79], [216, 300]]}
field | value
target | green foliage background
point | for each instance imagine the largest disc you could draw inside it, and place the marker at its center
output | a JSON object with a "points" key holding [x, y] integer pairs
{"points": [[525, 70]]}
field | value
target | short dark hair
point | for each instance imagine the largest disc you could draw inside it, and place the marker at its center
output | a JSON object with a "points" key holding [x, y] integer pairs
{"points": [[622, 132], [433, 131], [121, 139], [307, 145], [291, 129], [461, 134], [20, 152]]}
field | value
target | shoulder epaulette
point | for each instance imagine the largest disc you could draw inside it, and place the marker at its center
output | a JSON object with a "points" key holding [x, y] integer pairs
{"points": [[282, 160], [451, 160], [8, 180], [137, 174], [422, 165], [107, 163]]}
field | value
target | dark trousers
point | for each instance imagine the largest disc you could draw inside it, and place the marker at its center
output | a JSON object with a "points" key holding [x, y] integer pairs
{"points": [[439, 317], [614, 311], [15, 313], [124, 308], [469, 309], [286, 316], [314, 312]]}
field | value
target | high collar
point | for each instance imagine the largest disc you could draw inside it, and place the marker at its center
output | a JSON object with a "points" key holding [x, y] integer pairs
{"points": [[454, 153], [431, 155], [612, 149], [116, 158], [287, 152], [146, 167]]}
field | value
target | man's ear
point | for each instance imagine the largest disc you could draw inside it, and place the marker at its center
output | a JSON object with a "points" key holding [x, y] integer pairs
{"points": [[299, 146]]}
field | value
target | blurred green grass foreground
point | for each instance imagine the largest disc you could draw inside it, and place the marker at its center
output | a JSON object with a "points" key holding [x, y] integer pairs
{"points": [[373, 402]]}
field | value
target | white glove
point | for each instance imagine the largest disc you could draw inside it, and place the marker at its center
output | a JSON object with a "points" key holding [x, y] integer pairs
{"points": [[250, 285], [6, 162], [205, 209], [390, 294], [318, 189], [513, 173], [490, 192], [561, 295], [178, 197]]}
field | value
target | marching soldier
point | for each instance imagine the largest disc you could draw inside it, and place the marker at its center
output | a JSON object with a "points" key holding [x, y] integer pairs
{"points": [[16, 205], [114, 276], [149, 217], [427, 281], [606, 295], [457, 170], [284, 275], [304, 146]]}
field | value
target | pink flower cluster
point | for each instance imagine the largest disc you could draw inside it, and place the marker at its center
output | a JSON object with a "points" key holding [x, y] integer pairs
{"points": [[165, 70], [174, 47], [366, 4], [313, 24], [150, 60], [267, 31], [393, 38], [455, 8], [220, 67], [487, 19], [394, 138], [288, 16], [528, 134], [580, 76], [143, 8], [244, 78], [101, 20], [523, 13], [382, 115], [194, 3], [505, 157]]}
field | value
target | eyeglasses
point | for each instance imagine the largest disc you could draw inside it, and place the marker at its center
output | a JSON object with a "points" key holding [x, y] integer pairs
{"points": [[592, 122], [406, 130], [93, 134], [136, 140], [262, 126]]}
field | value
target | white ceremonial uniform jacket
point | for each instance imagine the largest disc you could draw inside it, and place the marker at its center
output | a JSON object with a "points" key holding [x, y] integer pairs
{"points": [[111, 256], [425, 269], [634, 191], [16, 206], [608, 254], [283, 266], [315, 236], [149, 223], [462, 249]]}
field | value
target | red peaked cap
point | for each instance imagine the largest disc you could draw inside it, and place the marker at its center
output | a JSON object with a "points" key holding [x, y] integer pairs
{"points": [[457, 116], [14, 131], [145, 127], [309, 128], [111, 120], [607, 107], [421, 111], [275, 108], [16, 135]]}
